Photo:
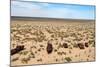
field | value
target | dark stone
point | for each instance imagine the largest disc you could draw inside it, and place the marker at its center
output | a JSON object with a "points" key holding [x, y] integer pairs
{"points": [[20, 47], [86, 45], [49, 48], [65, 45], [17, 49], [80, 45]]}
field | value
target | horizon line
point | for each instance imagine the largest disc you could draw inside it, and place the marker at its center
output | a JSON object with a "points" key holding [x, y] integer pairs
{"points": [[23, 17]]}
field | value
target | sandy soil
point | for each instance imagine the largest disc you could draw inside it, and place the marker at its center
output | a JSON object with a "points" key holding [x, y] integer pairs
{"points": [[71, 42]]}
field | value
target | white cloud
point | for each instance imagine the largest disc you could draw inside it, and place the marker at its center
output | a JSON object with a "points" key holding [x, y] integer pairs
{"points": [[31, 9], [24, 4], [28, 9], [84, 2]]}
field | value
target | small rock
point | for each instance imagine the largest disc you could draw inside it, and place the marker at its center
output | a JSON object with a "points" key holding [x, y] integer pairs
{"points": [[49, 48], [20, 47], [86, 45], [80, 45], [65, 45], [17, 49]]}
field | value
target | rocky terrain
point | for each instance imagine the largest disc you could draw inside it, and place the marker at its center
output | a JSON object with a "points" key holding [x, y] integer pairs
{"points": [[46, 42]]}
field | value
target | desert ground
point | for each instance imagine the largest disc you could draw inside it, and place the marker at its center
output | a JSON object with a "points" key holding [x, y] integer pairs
{"points": [[52, 41]]}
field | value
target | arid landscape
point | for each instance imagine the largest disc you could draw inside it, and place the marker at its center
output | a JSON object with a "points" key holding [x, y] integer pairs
{"points": [[52, 41]]}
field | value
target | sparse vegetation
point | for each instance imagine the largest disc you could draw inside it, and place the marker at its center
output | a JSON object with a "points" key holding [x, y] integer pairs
{"points": [[24, 53], [15, 59], [68, 59], [25, 60], [39, 60], [53, 42]]}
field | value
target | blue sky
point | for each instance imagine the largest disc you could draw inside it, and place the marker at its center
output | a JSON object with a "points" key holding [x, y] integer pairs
{"points": [[51, 10]]}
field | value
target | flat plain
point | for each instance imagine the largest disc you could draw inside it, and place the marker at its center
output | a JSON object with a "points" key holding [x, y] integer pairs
{"points": [[52, 41]]}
